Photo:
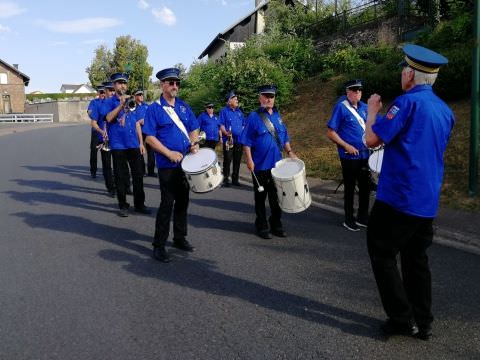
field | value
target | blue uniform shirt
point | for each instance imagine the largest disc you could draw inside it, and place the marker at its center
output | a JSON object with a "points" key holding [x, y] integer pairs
{"points": [[210, 125], [93, 110], [121, 137], [264, 148], [346, 125], [141, 110], [416, 130], [159, 124], [233, 119]]}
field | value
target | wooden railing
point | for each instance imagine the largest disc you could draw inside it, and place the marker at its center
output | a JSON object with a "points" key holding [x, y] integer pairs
{"points": [[17, 118]]}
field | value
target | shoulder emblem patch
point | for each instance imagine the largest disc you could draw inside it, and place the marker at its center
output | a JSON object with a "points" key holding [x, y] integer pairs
{"points": [[392, 112]]}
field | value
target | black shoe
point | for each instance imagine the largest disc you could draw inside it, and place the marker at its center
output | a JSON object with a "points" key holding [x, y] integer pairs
{"points": [[424, 333], [160, 254], [279, 232], [112, 193], [264, 234], [352, 226], [226, 184], [183, 245], [123, 212], [152, 174], [143, 210], [93, 175], [360, 223], [129, 191], [236, 183], [391, 327]]}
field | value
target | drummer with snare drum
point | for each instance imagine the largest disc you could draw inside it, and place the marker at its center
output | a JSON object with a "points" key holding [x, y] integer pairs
{"points": [[171, 128], [346, 128], [263, 138]]}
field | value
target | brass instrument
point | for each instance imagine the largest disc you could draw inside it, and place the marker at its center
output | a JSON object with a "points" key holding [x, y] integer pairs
{"points": [[229, 143], [201, 138], [106, 144]]}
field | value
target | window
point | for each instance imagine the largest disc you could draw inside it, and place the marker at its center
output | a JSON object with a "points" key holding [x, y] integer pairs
{"points": [[3, 78]]}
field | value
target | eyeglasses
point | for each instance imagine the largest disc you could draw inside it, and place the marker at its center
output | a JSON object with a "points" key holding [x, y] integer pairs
{"points": [[355, 89], [173, 82]]}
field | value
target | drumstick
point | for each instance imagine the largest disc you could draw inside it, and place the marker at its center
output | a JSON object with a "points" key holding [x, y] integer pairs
{"points": [[260, 188]]}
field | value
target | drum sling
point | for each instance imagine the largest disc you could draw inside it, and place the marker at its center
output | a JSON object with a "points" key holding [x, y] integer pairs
{"points": [[271, 129]]}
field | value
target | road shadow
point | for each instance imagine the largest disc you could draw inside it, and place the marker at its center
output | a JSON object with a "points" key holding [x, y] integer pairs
{"points": [[33, 198], [201, 275], [57, 185], [77, 225], [81, 172], [198, 221], [224, 205]]}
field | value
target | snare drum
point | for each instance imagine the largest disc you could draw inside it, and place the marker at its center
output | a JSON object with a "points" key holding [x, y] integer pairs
{"points": [[202, 170], [291, 183], [375, 163]]}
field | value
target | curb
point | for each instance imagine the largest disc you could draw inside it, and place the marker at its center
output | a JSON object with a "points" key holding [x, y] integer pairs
{"points": [[443, 236]]}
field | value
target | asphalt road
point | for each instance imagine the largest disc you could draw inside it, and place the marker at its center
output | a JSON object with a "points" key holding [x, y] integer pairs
{"points": [[78, 282]]}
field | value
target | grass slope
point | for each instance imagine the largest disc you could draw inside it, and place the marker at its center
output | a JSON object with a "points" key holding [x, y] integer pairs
{"points": [[306, 119]]}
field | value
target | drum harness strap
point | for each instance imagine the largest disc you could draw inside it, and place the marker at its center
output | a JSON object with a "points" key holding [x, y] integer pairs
{"points": [[270, 128], [176, 120], [354, 113]]}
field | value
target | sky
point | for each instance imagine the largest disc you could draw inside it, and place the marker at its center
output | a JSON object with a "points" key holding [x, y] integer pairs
{"points": [[54, 41]]}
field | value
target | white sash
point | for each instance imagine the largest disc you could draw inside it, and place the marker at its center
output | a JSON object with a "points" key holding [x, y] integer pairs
{"points": [[355, 113], [176, 120]]}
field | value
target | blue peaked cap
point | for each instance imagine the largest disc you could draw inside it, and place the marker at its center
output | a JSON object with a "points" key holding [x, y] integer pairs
{"points": [[170, 73], [267, 89], [100, 88], [230, 94], [422, 59], [107, 85], [119, 77], [354, 83]]}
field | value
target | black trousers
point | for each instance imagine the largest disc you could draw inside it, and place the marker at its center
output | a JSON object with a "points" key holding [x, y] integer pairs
{"points": [[389, 233], [265, 179], [174, 191], [234, 154], [121, 160], [149, 167], [356, 172], [93, 152], [212, 144], [106, 157]]}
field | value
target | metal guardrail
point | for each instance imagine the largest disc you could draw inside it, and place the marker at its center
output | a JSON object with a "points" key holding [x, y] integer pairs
{"points": [[18, 118]]}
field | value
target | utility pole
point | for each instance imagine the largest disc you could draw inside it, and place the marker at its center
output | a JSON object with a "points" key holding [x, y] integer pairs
{"points": [[474, 126]]}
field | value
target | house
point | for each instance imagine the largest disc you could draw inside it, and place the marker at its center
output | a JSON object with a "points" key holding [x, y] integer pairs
{"points": [[236, 35], [12, 88], [77, 89]]}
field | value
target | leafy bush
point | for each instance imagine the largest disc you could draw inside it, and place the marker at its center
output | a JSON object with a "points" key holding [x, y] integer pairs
{"points": [[59, 96]]}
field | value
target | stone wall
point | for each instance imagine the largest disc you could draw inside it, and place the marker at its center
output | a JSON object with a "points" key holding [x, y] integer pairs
{"points": [[63, 111]]}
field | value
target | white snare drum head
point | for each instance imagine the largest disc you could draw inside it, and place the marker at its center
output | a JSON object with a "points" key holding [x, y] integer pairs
{"points": [[375, 161], [288, 168], [202, 160]]}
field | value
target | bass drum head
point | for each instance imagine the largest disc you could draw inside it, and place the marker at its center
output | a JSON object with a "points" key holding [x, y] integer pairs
{"points": [[375, 161], [199, 162], [288, 168]]}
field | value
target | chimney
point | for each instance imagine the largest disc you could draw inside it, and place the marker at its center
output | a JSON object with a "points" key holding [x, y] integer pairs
{"points": [[15, 66]]}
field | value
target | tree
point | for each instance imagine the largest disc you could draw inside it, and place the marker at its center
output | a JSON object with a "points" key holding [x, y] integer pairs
{"points": [[129, 55], [101, 66]]}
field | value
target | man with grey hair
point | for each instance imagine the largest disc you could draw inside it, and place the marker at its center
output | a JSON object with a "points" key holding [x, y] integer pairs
{"points": [[415, 131]]}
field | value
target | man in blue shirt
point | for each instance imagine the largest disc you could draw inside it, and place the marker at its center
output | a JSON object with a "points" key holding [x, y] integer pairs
{"points": [[415, 131], [92, 110], [126, 144], [209, 123], [171, 128], [99, 124], [140, 110], [346, 129], [232, 122], [263, 148]]}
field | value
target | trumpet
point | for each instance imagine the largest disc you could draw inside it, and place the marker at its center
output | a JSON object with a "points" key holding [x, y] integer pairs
{"points": [[106, 144], [201, 138], [130, 103], [229, 143]]}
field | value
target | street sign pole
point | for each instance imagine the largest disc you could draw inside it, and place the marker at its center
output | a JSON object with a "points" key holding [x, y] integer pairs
{"points": [[475, 116]]}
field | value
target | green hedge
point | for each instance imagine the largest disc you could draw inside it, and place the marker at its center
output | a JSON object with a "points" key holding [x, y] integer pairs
{"points": [[58, 96]]}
